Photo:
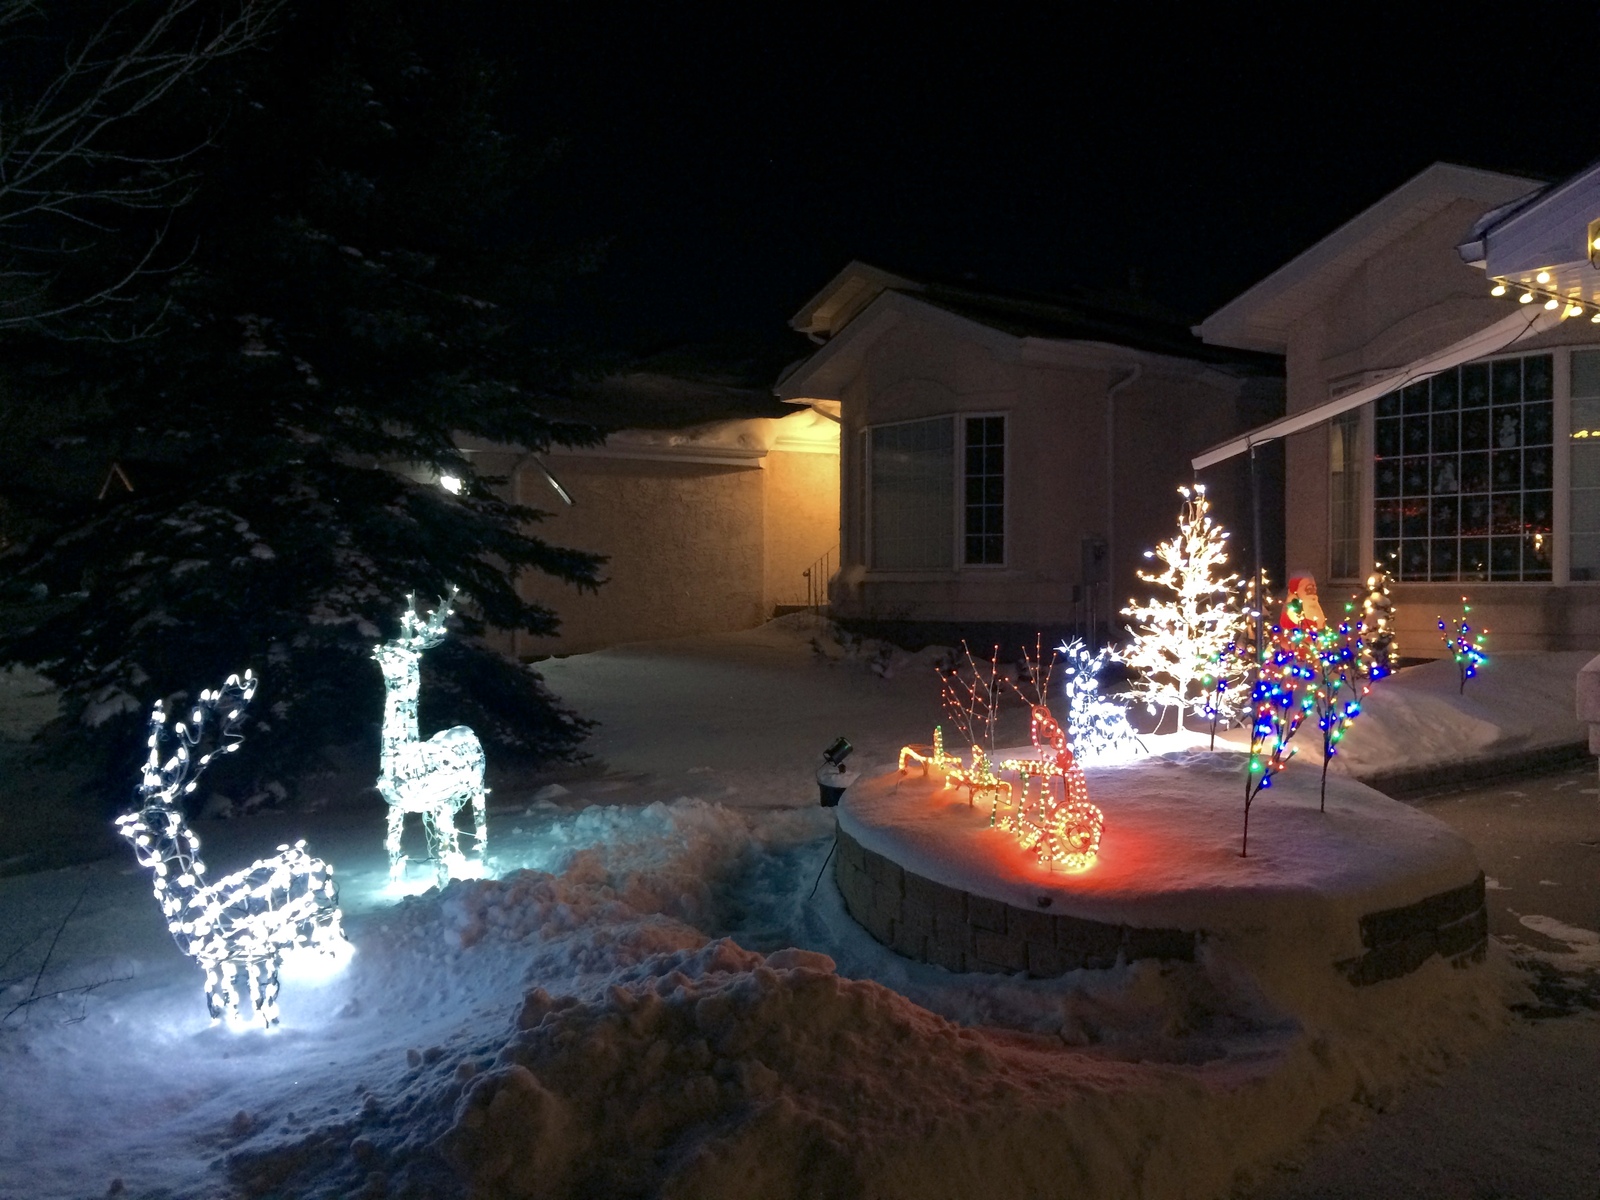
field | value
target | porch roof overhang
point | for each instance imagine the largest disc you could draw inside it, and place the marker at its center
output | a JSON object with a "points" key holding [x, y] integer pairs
{"points": [[1544, 243], [1504, 333]]}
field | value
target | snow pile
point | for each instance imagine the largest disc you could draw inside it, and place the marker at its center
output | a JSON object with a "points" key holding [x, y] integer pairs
{"points": [[1420, 718]]}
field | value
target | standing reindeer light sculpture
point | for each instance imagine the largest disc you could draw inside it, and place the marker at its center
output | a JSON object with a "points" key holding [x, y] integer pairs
{"points": [[435, 777], [239, 927]]}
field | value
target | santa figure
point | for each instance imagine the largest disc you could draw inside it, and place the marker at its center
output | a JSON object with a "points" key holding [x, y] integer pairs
{"points": [[1301, 610]]}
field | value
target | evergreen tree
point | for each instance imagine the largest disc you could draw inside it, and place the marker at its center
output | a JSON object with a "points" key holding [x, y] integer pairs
{"points": [[357, 292], [1180, 634]]}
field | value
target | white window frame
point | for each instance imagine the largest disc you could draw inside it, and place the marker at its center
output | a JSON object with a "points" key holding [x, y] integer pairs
{"points": [[961, 493]]}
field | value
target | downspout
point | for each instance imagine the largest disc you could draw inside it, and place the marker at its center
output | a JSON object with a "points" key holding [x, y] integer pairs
{"points": [[1134, 372]]}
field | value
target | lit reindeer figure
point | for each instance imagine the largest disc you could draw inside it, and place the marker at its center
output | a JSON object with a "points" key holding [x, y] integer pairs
{"points": [[239, 927], [435, 777]]}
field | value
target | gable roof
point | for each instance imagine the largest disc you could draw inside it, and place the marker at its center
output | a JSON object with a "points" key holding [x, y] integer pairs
{"points": [[1076, 315], [1260, 318]]}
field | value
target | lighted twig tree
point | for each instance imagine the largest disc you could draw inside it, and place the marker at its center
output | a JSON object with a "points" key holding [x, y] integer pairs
{"points": [[1282, 696], [1465, 645], [1338, 656], [1377, 618], [970, 693], [1178, 636], [1097, 727]]}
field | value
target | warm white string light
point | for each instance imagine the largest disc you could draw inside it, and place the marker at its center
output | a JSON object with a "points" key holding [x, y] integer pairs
{"points": [[240, 927], [434, 778]]}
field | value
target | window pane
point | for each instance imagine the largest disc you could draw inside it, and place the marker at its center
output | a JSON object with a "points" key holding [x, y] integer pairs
{"points": [[984, 520], [1446, 387], [1474, 385], [1585, 374], [1475, 430], [1536, 424], [1537, 375], [912, 490]]}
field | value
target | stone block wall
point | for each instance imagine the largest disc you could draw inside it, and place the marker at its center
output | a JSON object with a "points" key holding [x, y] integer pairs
{"points": [[933, 923], [1453, 924]]}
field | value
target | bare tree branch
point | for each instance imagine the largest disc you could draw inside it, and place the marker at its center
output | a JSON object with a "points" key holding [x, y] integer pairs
{"points": [[67, 169]]}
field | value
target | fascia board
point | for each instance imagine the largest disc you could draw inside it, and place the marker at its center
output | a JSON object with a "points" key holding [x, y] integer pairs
{"points": [[824, 374], [1244, 322], [1549, 232], [805, 319]]}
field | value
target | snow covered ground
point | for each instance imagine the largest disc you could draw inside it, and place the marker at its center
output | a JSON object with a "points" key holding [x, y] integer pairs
{"points": [[647, 1000]]}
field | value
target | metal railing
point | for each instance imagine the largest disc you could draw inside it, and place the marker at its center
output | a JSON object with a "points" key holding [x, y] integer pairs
{"points": [[816, 577]]}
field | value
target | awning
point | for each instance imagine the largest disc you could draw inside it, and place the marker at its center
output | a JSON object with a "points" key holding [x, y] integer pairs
{"points": [[1502, 335]]}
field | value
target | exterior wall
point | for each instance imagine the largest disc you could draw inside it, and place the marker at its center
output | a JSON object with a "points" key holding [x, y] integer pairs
{"points": [[1416, 297], [1055, 403], [801, 523]]}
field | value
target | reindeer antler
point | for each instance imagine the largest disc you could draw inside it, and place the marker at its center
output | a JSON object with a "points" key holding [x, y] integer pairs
{"points": [[419, 634], [163, 782]]}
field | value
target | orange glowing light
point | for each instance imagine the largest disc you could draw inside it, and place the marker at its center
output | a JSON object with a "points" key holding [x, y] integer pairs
{"points": [[981, 782], [1063, 831], [930, 756]]}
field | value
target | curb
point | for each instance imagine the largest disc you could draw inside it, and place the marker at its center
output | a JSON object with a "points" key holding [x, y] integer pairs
{"points": [[1415, 782]]}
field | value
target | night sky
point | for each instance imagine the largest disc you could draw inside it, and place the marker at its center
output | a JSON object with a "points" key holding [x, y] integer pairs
{"points": [[736, 157]]}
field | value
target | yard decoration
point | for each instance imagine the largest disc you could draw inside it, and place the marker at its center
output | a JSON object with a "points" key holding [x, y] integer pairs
{"points": [[1377, 618], [1177, 638], [240, 927], [1301, 608], [1097, 728], [1464, 645], [1339, 659], [1062, 830], [1282, 696], [436, 777], [981, 782], [930, 756], [970, 693]]}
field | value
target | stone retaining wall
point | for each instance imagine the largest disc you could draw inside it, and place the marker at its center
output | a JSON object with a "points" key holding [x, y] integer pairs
{"points": [[1453, 924], [933, 923]]}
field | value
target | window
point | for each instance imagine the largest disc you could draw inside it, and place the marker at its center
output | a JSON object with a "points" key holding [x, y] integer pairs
{"points": [[1344, 496], [912, 491], [985, 542], [1584, 441], [1462, 473]]}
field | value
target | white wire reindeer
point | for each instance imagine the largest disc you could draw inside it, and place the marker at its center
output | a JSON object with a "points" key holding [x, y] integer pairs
{"points": [[435, 777], [239, 927]]}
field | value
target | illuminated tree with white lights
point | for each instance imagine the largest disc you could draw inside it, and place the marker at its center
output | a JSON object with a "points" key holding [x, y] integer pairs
{"points": [[1180, 634]]}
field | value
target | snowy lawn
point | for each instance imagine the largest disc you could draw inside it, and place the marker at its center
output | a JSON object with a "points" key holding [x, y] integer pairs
{"points": [[647, 1001]]}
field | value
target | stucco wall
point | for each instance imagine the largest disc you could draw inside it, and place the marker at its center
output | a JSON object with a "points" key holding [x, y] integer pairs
{"points": [[801, 522], [1057, 465], [684, 542]]}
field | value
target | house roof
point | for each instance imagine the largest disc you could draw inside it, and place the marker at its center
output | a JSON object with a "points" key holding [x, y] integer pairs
{"points": [[1260, 318], [1077, 314]]}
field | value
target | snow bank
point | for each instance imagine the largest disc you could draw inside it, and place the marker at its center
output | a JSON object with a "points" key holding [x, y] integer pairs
{"points": [[1419, 717]]}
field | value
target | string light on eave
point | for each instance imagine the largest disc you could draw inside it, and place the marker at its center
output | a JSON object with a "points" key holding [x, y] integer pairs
{"points": [[1551, 301]]}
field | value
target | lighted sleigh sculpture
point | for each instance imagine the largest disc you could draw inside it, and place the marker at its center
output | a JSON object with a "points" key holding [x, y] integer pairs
{"points": [[1062, 829], [240, 927], [435, 778]]}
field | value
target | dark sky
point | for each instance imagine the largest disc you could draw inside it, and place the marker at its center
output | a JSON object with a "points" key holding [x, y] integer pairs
{"points": [[737, 156]]}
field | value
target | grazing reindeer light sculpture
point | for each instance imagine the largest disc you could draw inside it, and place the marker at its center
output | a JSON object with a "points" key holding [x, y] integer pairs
{"points": [[435, 777], [243, 923]]}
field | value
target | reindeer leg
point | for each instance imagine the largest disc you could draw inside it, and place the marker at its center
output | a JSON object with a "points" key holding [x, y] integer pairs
{"points": [[397, 825], [266, 992], [480, 819], [215, 997]]}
